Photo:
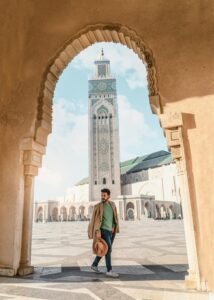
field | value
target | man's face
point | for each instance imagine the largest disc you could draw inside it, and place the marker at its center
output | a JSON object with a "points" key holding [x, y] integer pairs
{"points": [[105, 197]]}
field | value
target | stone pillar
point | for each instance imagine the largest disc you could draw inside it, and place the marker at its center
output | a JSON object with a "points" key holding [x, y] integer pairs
{"points": [[25, 262], [138, 209], [32, 160], [192, 279], [173, 124]]}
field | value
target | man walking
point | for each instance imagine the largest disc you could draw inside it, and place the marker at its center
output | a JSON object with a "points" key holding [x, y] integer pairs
{"points": [[104, 224]]}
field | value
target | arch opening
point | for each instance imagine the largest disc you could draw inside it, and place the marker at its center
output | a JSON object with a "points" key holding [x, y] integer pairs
{"points": [[87, 37]]}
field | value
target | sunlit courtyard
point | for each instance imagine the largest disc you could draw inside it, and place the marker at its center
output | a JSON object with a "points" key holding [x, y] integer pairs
{"points": [[149, 255]]}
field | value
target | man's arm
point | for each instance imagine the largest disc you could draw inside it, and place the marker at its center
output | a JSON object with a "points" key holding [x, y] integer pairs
{"points": [[91, 224], [115, 220], [98, 234]]}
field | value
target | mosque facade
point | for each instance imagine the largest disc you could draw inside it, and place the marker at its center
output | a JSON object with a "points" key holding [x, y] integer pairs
{"points": [[150, 188]]}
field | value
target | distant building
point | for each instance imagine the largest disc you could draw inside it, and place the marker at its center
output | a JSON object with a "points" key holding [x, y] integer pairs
{"points": [[150, 188]]}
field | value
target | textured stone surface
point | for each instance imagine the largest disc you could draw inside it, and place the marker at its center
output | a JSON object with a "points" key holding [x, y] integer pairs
{"points": [[62, 257]]}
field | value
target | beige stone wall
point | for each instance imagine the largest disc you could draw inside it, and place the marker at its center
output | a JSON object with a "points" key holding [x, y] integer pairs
{"points": [[180, 35]]}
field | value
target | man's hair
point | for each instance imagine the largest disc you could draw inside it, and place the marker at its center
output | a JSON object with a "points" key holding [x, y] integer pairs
{"points": [[106, 191]]}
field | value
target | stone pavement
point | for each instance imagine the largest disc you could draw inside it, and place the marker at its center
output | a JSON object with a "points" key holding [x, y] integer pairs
{"points": [[149, 255]]}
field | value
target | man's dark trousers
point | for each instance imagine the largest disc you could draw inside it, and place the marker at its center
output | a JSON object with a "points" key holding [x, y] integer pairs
{"points": [[107, 236]]}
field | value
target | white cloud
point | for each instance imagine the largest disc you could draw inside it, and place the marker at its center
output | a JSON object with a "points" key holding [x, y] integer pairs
{"points": [[134, 131], [124, 62], [66, 160], [50, 177]]}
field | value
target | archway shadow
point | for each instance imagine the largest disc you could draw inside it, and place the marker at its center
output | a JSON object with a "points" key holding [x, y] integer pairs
{"points": [[172, 272]]}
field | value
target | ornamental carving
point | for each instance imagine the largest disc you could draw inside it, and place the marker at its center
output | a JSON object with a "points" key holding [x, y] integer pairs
{"points": [[172, 124], [103, 146], [104, 167]]}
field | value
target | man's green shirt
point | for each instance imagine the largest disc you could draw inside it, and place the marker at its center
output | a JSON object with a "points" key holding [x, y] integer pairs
{"points": [[108, 217]]}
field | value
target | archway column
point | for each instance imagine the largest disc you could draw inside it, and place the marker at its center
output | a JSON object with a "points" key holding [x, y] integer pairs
{"points": [[172, 123], [32, 159]]}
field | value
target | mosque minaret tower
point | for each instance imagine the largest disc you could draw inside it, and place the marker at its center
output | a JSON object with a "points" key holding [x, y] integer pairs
{"points": [[104, 162]]}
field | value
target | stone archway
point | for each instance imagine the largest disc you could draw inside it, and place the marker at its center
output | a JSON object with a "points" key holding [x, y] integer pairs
{"points": [[157, 212], [130, 214], [147, 210], [40, 214], [63, 214], [172, 123], [84, 38], [72, 213], [54, 216], [171, 212], [82, 212], [163, 211]]}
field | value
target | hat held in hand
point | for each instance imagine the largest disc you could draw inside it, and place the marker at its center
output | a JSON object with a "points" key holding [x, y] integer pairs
{"points": [[100, 247]]}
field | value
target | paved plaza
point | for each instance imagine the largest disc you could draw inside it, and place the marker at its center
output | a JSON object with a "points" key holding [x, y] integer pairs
{"points": [[149, 255]]}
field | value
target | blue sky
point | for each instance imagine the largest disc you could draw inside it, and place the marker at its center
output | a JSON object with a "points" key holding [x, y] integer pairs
{"points": [[66, 159]]}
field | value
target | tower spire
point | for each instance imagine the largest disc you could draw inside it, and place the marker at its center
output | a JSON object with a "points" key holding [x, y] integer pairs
{"points": [[104, 166], [102, 66]]}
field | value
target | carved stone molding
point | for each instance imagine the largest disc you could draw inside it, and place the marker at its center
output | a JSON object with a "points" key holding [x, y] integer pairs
{"points": [[172, 124], [171, 120], [32, 156]]}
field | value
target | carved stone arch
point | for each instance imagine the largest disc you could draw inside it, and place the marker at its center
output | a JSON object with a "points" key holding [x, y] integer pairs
{"points": [[78, 42], [34, 147], [40, 214], [106, 108], [102, 110], [55, 214], [130, 205]]}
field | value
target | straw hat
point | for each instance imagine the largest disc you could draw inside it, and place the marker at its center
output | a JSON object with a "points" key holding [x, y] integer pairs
{"points": [[100, 247]]}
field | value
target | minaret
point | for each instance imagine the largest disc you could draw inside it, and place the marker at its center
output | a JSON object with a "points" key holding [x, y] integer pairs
{"points": [[104, 162]]}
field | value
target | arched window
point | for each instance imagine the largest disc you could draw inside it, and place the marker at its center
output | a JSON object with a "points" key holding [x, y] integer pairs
{"points": [[104, 180], [95, 182], [112, 181]]}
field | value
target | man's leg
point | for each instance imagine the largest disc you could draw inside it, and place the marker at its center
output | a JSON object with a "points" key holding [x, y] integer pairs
{"points": [[107, 236], [94, 266], [96, 261]]}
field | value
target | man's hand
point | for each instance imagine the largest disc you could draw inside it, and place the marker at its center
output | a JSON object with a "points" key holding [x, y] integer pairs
{"points": [[98, 234], [113, 229]]}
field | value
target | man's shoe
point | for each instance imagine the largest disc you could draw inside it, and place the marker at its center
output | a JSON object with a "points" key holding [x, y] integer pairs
{"points": [[95, 269], [112, 274]]}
